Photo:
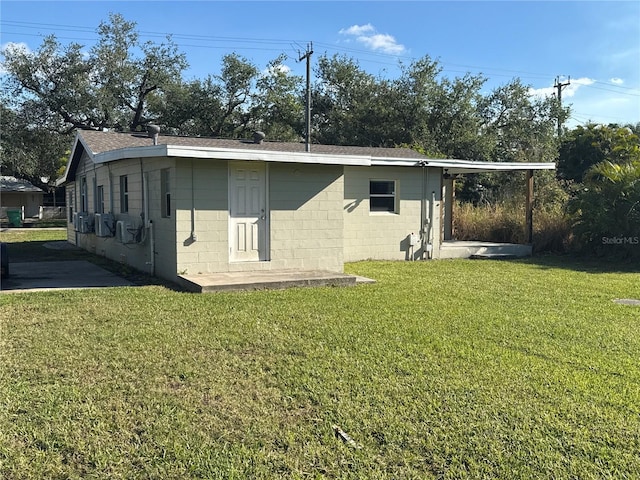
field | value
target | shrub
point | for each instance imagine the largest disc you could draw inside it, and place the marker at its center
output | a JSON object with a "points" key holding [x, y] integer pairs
{"points": [[505, 222], [606, 210]]}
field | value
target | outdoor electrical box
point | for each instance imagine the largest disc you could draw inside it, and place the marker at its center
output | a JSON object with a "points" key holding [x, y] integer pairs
{"points": [[413, 240]]}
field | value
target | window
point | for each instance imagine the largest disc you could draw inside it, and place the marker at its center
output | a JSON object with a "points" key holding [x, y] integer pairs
{"points": [[99, 199], [84, 200], [124, 194], [71, 205], [165, 188], [382, 196]]}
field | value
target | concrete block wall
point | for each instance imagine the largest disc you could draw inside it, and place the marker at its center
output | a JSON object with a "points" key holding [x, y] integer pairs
{"points": [[385, 235], [202, 208], [136, 255], [306, 222]]}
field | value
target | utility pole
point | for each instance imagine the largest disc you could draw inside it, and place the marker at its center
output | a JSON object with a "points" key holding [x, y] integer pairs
{"points": [[307, 56], [559, 86]]}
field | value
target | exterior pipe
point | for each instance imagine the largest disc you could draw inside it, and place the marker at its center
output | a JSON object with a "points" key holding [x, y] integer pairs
{"points": [[430, 227], [152, 246], [424, 214], [193, 207]]}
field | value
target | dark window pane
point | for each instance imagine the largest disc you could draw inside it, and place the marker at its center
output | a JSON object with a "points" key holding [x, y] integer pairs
{"points": [[382, 204], [381, 188]]}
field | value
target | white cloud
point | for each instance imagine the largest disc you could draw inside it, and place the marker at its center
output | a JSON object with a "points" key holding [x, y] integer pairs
{"points": [[575, 85], [358, 30], [370, 38], [542, 92], [567, 91], [617, 81]]}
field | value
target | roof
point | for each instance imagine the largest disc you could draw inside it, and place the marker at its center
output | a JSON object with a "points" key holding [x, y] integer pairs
{"points": [[103, 147], [101, 142], [18, 185]]}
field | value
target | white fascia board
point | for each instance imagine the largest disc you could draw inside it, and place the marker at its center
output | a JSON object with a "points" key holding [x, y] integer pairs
{"points": [[266, 156], [468, 166], [229, 154], [132, 152], [395, 162]]}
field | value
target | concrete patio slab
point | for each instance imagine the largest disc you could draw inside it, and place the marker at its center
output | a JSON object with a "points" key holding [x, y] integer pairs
{"points": [[229, 281], [40, 276]]}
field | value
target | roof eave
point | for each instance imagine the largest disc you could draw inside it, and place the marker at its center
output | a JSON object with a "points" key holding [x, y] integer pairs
{"points": [[469, 166]]}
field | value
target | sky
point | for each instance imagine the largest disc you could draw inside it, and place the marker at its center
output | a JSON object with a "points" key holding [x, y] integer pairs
{"points": [[593, 46]]}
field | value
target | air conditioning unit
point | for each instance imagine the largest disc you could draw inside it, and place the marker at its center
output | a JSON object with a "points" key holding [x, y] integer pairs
{"points": [[104, 225], [85, 222], [126, 232]]}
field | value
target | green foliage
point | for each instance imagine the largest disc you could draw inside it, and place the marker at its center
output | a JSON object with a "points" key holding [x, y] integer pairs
{"points": [[49, 93], [29, 150], [125, 84], [584, 147], [606, 209]]}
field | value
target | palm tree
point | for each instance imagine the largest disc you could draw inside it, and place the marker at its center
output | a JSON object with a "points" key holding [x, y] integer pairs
{"points": [[608, 207]]}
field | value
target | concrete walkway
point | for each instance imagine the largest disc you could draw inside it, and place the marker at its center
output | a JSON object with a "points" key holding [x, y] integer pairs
{"points": [[41, 276], [267, 280]]}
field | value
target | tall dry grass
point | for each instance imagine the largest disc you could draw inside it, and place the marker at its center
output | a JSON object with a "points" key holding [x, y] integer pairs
{"points": [[504, 222]]}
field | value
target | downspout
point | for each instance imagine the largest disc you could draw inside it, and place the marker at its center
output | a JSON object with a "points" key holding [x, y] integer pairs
{"points": [[148, 223], [433, 204], [145, 209], [193, 207], [424, 220], [425, 217], [111, 206], [152, 247]]}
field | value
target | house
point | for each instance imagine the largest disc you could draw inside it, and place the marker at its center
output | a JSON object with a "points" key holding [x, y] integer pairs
{"points": [[172, 206], [19, 194]]}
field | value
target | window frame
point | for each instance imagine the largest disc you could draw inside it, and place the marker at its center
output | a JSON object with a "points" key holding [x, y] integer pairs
{"points": [[100, 199], [84, 195], [165, 192], [124, 194], [393, 195]]}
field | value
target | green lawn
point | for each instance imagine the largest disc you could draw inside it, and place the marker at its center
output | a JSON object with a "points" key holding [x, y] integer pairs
{"points": [[443, 369]]}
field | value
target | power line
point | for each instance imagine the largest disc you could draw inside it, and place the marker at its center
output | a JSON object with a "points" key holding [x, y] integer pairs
{"points": [[285, 43], [281, 45]]}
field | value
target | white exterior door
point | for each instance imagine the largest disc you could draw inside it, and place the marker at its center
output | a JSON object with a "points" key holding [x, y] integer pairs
{"points": [[247, 212]]}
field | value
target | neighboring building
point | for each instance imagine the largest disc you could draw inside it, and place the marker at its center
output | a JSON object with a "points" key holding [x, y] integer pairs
{"points": [[18, 194], [181, 205]]}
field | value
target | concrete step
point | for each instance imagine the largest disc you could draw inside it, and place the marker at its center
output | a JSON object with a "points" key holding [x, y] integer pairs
{"points": [[261, 280]]}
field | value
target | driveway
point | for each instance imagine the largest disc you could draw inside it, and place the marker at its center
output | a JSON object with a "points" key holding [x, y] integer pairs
{"points": [[39, 276]]}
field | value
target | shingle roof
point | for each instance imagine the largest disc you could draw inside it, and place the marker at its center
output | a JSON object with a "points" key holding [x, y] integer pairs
{"points": [[13, 184], [100, 142]]}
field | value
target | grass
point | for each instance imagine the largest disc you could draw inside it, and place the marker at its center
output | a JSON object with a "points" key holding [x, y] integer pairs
{"points": [[505, 222], [443, 369]]}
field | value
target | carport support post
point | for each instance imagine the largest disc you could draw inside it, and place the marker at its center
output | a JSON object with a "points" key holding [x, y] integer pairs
{"points": [[529, 206]]}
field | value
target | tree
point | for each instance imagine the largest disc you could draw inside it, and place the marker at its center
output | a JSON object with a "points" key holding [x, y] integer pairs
{"points": [[586, 146], [49, 93], [107, 88], [29, 151], [341, 96], [606, 209], [514, 127], [277, 104]]}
